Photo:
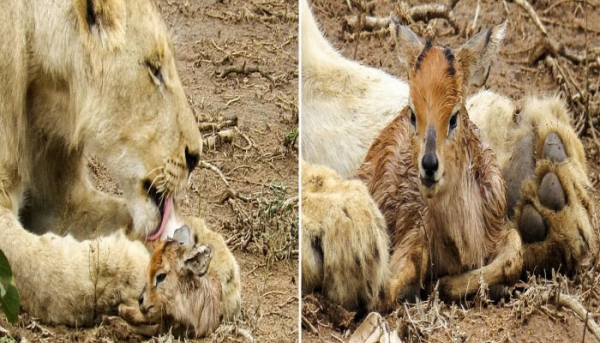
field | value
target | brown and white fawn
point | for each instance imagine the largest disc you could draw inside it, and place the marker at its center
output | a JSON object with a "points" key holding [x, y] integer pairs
{"points": [[439, 188]]}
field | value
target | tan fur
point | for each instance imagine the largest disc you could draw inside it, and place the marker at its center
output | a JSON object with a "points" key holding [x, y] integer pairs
{"points": [[108, 273], [344, 242], [81, 279], [344, 104], [572, 241], [451, 230], [85, 78]]}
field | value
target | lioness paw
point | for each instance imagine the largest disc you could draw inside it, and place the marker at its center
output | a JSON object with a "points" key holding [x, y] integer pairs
{"points": [[552, 207], [344, 241]]}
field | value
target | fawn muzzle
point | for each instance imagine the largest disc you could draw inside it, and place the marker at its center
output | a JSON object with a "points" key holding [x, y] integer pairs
{"points": [[429, 162]]}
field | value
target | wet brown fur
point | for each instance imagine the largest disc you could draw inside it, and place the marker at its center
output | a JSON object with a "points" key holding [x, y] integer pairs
{"points": [[454, 231]]}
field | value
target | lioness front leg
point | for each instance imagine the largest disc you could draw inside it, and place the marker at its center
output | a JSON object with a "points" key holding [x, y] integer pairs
{"points": [[503, 269], [553, 210], [91, 212], [344, 240]]}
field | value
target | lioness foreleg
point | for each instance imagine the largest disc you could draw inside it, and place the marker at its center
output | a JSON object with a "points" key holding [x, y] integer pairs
{"points": [[554, 212], [344, 240]]}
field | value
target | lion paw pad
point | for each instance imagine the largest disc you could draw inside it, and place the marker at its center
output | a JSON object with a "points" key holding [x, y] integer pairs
{"points": [[554, 149], [532, 225], [551, 193]]}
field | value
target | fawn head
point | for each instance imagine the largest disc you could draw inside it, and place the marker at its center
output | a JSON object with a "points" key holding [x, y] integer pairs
{"points": [[175, 266], [439, 79]]}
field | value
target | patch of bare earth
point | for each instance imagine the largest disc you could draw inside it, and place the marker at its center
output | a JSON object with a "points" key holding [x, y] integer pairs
{"points": [[565, 61], [238, 64]]}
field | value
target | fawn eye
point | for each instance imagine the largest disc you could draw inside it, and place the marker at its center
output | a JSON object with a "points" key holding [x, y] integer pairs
{"points": [[413, 118], [453, 122], [160, 278]]}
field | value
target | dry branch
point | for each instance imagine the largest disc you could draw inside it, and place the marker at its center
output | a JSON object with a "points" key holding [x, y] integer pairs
{"points": [[307, 323], [217, 126], [547, 46], [527, 7], [423, 13], [245, 70], [574, 305]]}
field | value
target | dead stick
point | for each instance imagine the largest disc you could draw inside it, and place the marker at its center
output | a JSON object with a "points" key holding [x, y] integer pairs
{"points": [[309, 325], [527, 7], [572, 303], [206, 165]]}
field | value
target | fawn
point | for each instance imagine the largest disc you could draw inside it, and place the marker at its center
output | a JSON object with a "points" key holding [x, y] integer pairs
{"points": [[440, 190]]}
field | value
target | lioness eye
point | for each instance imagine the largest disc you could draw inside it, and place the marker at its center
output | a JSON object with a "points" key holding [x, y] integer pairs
{"points": [[160, 278], [156, 72], [453, 122]]}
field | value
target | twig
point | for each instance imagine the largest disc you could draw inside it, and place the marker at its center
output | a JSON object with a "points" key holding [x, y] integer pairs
{"points": [[309, 325], [230, 193], [244, 70], [336, 338], [206, 165], [574, 305], [549, 47], [217, 126], [234, 100], [424, 13], [246, 334], [474, 24], [249, 141], [560, 2], [527, 7]]}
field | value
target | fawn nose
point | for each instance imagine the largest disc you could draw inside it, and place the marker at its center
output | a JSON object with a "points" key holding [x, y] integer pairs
{"points": [[191, 159], [429, 164]]}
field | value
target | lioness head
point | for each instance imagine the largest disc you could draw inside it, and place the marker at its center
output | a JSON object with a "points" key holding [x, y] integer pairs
{"points": [[132, 112]]}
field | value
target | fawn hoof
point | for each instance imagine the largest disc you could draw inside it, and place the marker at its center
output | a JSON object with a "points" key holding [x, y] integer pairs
{"points": [[554, 150], [520, 167], [410, 293], [497, 292], [551, 193], [531, 225]]}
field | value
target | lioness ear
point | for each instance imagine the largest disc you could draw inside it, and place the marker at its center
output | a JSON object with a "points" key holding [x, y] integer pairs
{"points": [[407, 42], [198, 259], [183, 235], [103, 21], [476, 55]]}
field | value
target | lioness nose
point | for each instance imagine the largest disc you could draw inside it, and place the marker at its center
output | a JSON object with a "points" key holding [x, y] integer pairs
{"points": [[430, 164], [191, 159]]}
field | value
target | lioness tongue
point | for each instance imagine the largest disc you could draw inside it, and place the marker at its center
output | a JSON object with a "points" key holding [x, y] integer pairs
{"points": [[166, 215]]}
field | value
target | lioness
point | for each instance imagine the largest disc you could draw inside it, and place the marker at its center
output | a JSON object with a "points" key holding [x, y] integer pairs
{"points": [[81, 78]]}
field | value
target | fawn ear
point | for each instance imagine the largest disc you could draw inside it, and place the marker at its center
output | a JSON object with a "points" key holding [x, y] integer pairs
{"points": [[407, 42], [198, 259], [477, 54], [183, 235]]}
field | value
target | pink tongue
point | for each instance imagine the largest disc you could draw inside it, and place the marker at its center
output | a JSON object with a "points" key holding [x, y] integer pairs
{"points": [[165, 219]]}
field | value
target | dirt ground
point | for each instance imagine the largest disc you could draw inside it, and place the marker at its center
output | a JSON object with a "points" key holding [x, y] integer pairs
{"points": [[521, 69], [258, 213]]}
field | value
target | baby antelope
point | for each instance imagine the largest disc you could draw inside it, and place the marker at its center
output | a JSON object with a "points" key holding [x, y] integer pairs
{"points": [[438, 186], [182, 289]]}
